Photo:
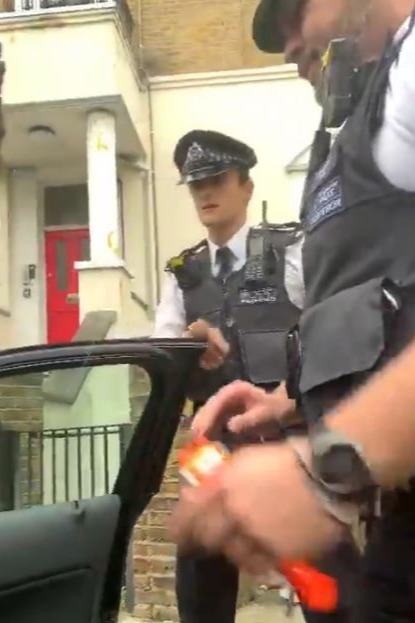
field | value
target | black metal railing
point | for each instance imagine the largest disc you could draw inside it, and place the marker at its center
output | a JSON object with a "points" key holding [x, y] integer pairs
{"points": [[59, 465]]}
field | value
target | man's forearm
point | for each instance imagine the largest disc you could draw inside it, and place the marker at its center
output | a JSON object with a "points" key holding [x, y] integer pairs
{"points": [[381, 418]]}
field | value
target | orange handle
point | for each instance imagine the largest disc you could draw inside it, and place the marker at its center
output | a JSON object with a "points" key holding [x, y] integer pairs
{"points": [[198, 462], [316, 590]]}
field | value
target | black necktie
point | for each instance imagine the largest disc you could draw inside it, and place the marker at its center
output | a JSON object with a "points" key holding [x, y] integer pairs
{"points": [[224, 260]]}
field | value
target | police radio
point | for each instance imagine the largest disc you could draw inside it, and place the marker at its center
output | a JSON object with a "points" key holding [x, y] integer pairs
{"points": [[343, 80], [262, 251], [256, 267]]}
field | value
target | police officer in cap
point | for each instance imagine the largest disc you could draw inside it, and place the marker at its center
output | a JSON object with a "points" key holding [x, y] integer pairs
{"points": [[359, 269], [238, 289]]}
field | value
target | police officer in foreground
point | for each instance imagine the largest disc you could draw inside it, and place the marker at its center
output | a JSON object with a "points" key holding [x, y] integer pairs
{"points": [[234, 289], [359, 268]]}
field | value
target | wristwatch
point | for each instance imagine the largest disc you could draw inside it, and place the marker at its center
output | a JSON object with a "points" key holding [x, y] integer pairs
{"points": [[339, 467], [338, 474]]}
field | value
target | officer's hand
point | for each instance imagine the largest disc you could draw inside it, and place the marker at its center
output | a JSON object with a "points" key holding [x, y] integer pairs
{"points": [[258, 509], [241, 407], [217, 347]]}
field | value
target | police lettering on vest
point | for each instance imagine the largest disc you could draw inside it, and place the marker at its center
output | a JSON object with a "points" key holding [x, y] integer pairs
{"points": [[359, 260], [251, 307]]}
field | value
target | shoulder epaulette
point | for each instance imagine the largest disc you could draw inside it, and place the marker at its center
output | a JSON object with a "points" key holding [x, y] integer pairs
{"points": [[293, 231], [177, 262], [282, 234], [291, 227]]}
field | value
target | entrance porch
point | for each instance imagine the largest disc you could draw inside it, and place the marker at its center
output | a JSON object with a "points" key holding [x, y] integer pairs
{"points": [[75, 236]]}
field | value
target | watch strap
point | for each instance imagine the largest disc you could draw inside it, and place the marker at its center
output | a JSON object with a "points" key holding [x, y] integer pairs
{"points": [[356, 489], [346, 513]]}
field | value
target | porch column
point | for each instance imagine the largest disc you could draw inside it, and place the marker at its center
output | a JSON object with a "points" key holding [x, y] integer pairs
{"points": [[26, 232], [102, 188]]}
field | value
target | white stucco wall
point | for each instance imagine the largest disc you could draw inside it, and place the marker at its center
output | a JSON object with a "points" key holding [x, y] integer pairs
{"points": [[295, 189], [271, 109], [136, 229], [4, 241], [89, 39]]}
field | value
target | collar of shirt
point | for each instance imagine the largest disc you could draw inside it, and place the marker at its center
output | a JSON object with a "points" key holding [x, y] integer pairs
{"points": [[237, 244], [402, 30]]}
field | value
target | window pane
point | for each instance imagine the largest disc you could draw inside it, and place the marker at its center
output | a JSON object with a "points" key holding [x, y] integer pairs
{"points": [[63, 434], [61, 265], [66, 205]]}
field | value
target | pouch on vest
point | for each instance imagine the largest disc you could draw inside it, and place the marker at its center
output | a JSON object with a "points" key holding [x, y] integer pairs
{"points": [[261, 356], [346, 334]]}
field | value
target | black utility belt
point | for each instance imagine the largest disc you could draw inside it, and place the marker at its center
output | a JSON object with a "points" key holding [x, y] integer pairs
{"points": [[348, 335]]}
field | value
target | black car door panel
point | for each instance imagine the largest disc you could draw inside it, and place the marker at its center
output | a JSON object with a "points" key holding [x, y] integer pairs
{"points": [[52, 560]]}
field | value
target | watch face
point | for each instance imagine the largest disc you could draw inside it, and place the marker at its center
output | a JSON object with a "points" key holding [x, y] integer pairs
{"points": [[340, 467], [338, 464]]}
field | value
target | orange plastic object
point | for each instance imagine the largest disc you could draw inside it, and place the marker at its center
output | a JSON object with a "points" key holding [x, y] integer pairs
{"points": [[199, 461], [316, 590]]}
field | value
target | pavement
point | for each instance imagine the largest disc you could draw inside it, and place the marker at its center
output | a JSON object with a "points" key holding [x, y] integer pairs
{"points": [[267, 608]]}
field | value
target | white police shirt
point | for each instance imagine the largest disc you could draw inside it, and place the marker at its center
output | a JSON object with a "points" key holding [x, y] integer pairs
{"points": [[394, 144], [170, 316]]}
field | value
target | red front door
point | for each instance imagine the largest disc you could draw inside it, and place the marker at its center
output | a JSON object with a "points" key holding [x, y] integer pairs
{"points": [[62, 250]]}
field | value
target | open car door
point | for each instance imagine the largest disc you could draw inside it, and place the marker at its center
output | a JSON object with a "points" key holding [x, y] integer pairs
{"points": [[86, 430]]}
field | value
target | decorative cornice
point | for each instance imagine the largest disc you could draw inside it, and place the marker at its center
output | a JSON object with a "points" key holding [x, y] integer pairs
{"points": [[239, 76]]}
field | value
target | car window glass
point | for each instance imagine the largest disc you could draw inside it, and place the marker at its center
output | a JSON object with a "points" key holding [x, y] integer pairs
{"points": [[63, 433]]}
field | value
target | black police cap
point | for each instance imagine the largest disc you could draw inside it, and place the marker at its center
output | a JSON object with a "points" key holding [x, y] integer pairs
{"points": [[201, 154], [266, 27]]}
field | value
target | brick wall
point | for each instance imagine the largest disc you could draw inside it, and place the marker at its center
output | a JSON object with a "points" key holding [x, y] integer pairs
{"points": [[21, 409], [154, 553], [21, 403], [182, 36]]}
